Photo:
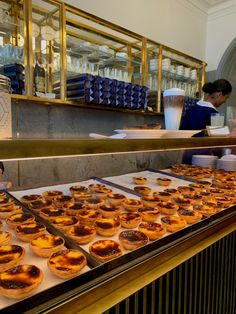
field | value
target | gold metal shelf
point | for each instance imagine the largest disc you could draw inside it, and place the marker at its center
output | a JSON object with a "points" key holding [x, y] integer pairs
{"points": [[19, 148]]}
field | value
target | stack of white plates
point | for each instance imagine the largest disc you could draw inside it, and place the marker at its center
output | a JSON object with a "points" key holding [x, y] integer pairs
{"points": [[205, 161], [227, 162]]}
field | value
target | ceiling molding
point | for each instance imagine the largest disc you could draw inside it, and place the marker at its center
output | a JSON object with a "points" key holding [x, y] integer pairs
{"points": [[212, 6]]}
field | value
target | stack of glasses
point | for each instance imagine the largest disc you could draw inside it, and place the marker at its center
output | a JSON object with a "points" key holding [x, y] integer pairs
{"points": [[15, 72], [101, 90]]}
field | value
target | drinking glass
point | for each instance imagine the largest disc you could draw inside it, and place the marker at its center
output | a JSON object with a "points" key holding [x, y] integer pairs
{"points": [[217, 119]]}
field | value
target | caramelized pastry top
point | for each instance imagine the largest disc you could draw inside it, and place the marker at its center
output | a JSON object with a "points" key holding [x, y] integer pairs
{"points": [[47, 241], [65, 260], [10, 252], [106, 248], [30, 228]]}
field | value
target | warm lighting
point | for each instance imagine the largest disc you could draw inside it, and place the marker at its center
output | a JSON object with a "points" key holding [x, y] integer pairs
{"points": [[35, 30]]}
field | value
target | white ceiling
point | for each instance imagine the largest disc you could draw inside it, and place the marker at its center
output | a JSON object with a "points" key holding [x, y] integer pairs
{"points": [[209, 5]]}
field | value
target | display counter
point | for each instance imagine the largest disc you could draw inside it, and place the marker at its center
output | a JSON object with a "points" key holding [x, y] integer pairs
{"points": [[190, 271]]}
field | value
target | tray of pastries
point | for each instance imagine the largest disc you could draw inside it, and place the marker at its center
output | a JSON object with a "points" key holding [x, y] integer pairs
{"points": [[107, 222]]}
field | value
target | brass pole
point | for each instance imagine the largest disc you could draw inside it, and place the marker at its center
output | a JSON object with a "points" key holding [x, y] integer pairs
{"points": [[63, 60], [144, 62], [159, 79]]}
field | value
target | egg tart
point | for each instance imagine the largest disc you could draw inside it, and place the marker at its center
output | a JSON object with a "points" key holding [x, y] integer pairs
{"points": [[5, 237], [82, 196], [105, 250], [162, 195], [205, 210], [164, 181], [139, 180], [109, 211], [76, 189], [152, 230], [198, 187], [107, 227], [26, 199], [19, 218], [182, 202], [39, 204], [172, 192], [132, 239], [167, 208], [150, 201], [88, 216], [186, 189], [61, 200], [63, 223], [72, 209], [3, 195], [10, 255], [216, 205], [149, 213], [173, 223], [8, 210], [51, 195], [95, 186], [67, 263], [131, 204], [46, 244], [81, 234], [216, 192], [130, 220], [28, 231], [102, 192], [193, 198], [50, 213], [20, 281], [5, 201], [190, 216], [115, 198], [94, 203], [143, 190]]}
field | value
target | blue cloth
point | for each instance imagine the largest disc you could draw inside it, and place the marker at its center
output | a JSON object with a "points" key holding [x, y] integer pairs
{"points": [[197, 118]]}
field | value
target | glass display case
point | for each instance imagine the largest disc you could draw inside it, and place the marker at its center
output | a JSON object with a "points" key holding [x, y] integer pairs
{"points": [[46, 44], [104, 284]]}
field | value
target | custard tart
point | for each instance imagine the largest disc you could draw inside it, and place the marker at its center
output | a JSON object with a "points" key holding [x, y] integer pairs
{"points": [[46, 244], [20, 281], [107, 227], [28, 231], [81, 234], [115, 198], [67, 263], [132, 239], [191, 216], [164, 181], [63, 223], [130, 220], [105, 250], [131, 204], [20, 218], [153, 230], [5, 237], [139, 180], [10, 209], [173, 223], [10, 255], [52, 195], [109, 211], [26, 199]]}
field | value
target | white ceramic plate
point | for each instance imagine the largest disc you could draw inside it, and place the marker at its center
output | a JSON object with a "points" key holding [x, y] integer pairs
{"points": [[140, 133]]}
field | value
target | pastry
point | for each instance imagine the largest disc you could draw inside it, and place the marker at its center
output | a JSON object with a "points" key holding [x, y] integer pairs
{"points": [[19, 218], [5, 237], [26, 199], [81, 234], [150, 201], [181, 202], [105, 250], [216, 205], [39, 204], [205, 210], [61, 200], [95, 186], [76, 189], [172, 192], [67, 263], [94, 203], [193, 198], [28, 231], [132, 239], [198, 187], [216, 192], [152, 230], [63, 223], [51, 212], [107, 227], [8, 210], [186, 189], [139, 180], [143, 190], [115, 198], [108, 211], [102, 192], [162, 195], [20, 281], [167, 208], [88, 216], [46, 244], [131, 204], [5, 201], [72, 209], [51, 195], [10, 255], [173, 223], [82, 196], [149, 213], [130, 220], [163, 181], [190, 216]]}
